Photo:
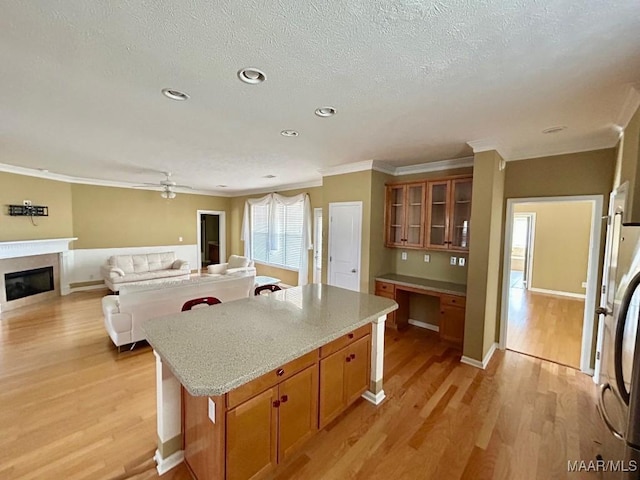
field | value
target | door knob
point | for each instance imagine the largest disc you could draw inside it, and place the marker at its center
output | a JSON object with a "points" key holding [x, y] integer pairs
{"points": [[602, 311], [353, 270]]}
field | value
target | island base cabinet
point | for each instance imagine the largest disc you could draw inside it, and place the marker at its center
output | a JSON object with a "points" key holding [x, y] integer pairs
{"points": [[264, 430], [344, 376], [252, 429]]}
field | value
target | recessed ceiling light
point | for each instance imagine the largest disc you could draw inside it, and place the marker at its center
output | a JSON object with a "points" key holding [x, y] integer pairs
{"points": [[269, 176], [325, 111], [251, 75], [289, 133], [222, 186], [174, 94], [557, 129]]}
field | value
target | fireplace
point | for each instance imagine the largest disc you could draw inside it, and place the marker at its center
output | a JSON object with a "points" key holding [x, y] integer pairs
{"points": [[28, 282]]}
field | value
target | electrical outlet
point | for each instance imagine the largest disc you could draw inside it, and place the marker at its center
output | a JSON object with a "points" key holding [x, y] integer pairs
{"points": [[427, 258], [453, 260], [461, 261], [180, 239], [404, 255], [584, 284]]}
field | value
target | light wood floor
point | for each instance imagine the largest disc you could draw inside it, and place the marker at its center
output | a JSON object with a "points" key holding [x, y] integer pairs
{"points": [[545, 326], [72, 408]]}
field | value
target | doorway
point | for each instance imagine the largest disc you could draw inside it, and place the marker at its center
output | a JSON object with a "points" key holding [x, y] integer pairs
{"points": [[211, 238], [317, 245], [345, 240], [549, 292], [522, 250]]}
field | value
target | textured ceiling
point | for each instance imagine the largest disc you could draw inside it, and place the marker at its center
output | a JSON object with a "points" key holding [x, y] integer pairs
{"points": [[413, 81]]}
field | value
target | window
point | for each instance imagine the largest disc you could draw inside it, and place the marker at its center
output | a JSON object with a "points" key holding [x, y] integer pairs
{"points": [[277, 243]]}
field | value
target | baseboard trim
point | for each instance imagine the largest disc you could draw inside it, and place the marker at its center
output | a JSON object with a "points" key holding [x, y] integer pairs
{"points": [[86, 288], [485, 361], [375, 398], [166, 464], [428, 326], [558, 293]]}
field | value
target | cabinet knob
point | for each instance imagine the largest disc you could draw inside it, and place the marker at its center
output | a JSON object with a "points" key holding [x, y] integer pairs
{"points": [[348, 359], [350, 335], [442, 312], [353, 356], [284, 398], [276, 403], [280, 372]]}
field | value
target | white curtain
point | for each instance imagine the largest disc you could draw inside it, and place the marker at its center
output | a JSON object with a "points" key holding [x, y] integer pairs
{"points": [[272, 200]]}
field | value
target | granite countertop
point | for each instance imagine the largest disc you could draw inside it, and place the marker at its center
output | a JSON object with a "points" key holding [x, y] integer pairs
{"points": [[215, 349], [426, 283]]}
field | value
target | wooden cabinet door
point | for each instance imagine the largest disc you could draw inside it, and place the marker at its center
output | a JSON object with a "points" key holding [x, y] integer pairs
{"points": [[452, 324], [298, 411], [252, 431], [395, 215], [415, 199], [357, 369], [460, 214], [438, 215], [332, 386]]}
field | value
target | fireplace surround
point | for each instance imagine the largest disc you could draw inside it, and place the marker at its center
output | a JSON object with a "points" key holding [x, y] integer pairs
{"points": [[20, 256]]}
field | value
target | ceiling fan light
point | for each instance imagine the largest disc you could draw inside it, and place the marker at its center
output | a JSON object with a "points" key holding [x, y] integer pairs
{"points": [[168, 194]]}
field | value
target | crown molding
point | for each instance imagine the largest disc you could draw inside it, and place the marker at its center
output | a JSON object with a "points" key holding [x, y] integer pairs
{"points": [[567, 148], [434, 166], [486, 145], [347, 168], [32, 172], [630, 106]]}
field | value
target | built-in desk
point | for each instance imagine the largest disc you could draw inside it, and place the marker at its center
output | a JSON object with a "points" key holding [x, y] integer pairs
{"points": [[452, 299]]}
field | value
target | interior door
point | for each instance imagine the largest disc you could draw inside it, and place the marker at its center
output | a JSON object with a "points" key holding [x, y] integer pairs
{"points": [[345, 237], [317, 245]]}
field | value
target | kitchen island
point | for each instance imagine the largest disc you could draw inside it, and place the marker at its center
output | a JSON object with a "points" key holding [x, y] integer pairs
{"points": [[242, 384]]}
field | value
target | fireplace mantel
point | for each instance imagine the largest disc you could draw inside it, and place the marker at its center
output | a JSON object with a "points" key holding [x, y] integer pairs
{"points": [[26, 248]]}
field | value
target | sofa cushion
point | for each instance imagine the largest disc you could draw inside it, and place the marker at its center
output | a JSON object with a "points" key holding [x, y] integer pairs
{"points": [[236, 261], [149, 262], [143, 276]]}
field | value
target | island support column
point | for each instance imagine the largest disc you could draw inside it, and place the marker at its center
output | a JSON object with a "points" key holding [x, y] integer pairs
{"points": [[169, 407], [375, 394]]}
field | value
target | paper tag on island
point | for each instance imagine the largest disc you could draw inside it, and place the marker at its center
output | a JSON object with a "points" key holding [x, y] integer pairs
{"points": [[212, 411]]}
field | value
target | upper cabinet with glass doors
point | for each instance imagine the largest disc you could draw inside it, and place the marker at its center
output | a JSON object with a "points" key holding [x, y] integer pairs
{"points": [[405, 215], [433, 214]]}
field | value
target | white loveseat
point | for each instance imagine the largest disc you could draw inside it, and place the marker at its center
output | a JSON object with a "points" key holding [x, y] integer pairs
{"points": [[126, 269], [125, 313], [235, 264]]}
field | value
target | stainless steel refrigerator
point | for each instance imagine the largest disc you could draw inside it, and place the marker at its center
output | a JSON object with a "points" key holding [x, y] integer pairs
{"points": [[619, 375]]}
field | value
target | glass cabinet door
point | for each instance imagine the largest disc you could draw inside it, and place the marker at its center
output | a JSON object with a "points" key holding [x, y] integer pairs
{"points": [[395, 215], [437, 227], [414, 228], [460, 213]]}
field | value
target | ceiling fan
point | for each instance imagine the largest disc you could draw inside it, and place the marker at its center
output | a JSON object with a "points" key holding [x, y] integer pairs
{"points": [[167, 185]]}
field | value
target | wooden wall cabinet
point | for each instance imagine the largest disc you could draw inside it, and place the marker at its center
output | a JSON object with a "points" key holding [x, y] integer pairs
{"points": [[405, 215], [448, 214], [432, 214], [344, 376]]}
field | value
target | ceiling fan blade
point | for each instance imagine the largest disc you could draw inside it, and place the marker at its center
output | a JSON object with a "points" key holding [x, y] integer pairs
{"points": [[182, 186]]}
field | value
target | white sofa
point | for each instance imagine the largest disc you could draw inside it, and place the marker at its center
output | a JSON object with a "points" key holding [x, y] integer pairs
{"points": [[235, 264], [125, 313], [126, 269]]}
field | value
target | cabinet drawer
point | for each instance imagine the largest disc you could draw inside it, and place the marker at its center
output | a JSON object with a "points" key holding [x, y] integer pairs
{"points": [[344, 340], [453, 300], [386, 295], [268, 380], [383, 287]]}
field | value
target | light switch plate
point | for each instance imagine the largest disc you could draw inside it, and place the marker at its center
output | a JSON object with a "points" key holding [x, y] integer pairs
{"points": [[453, 260], [427, 258], [212, 411], [404, 255], [461, 261]]}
